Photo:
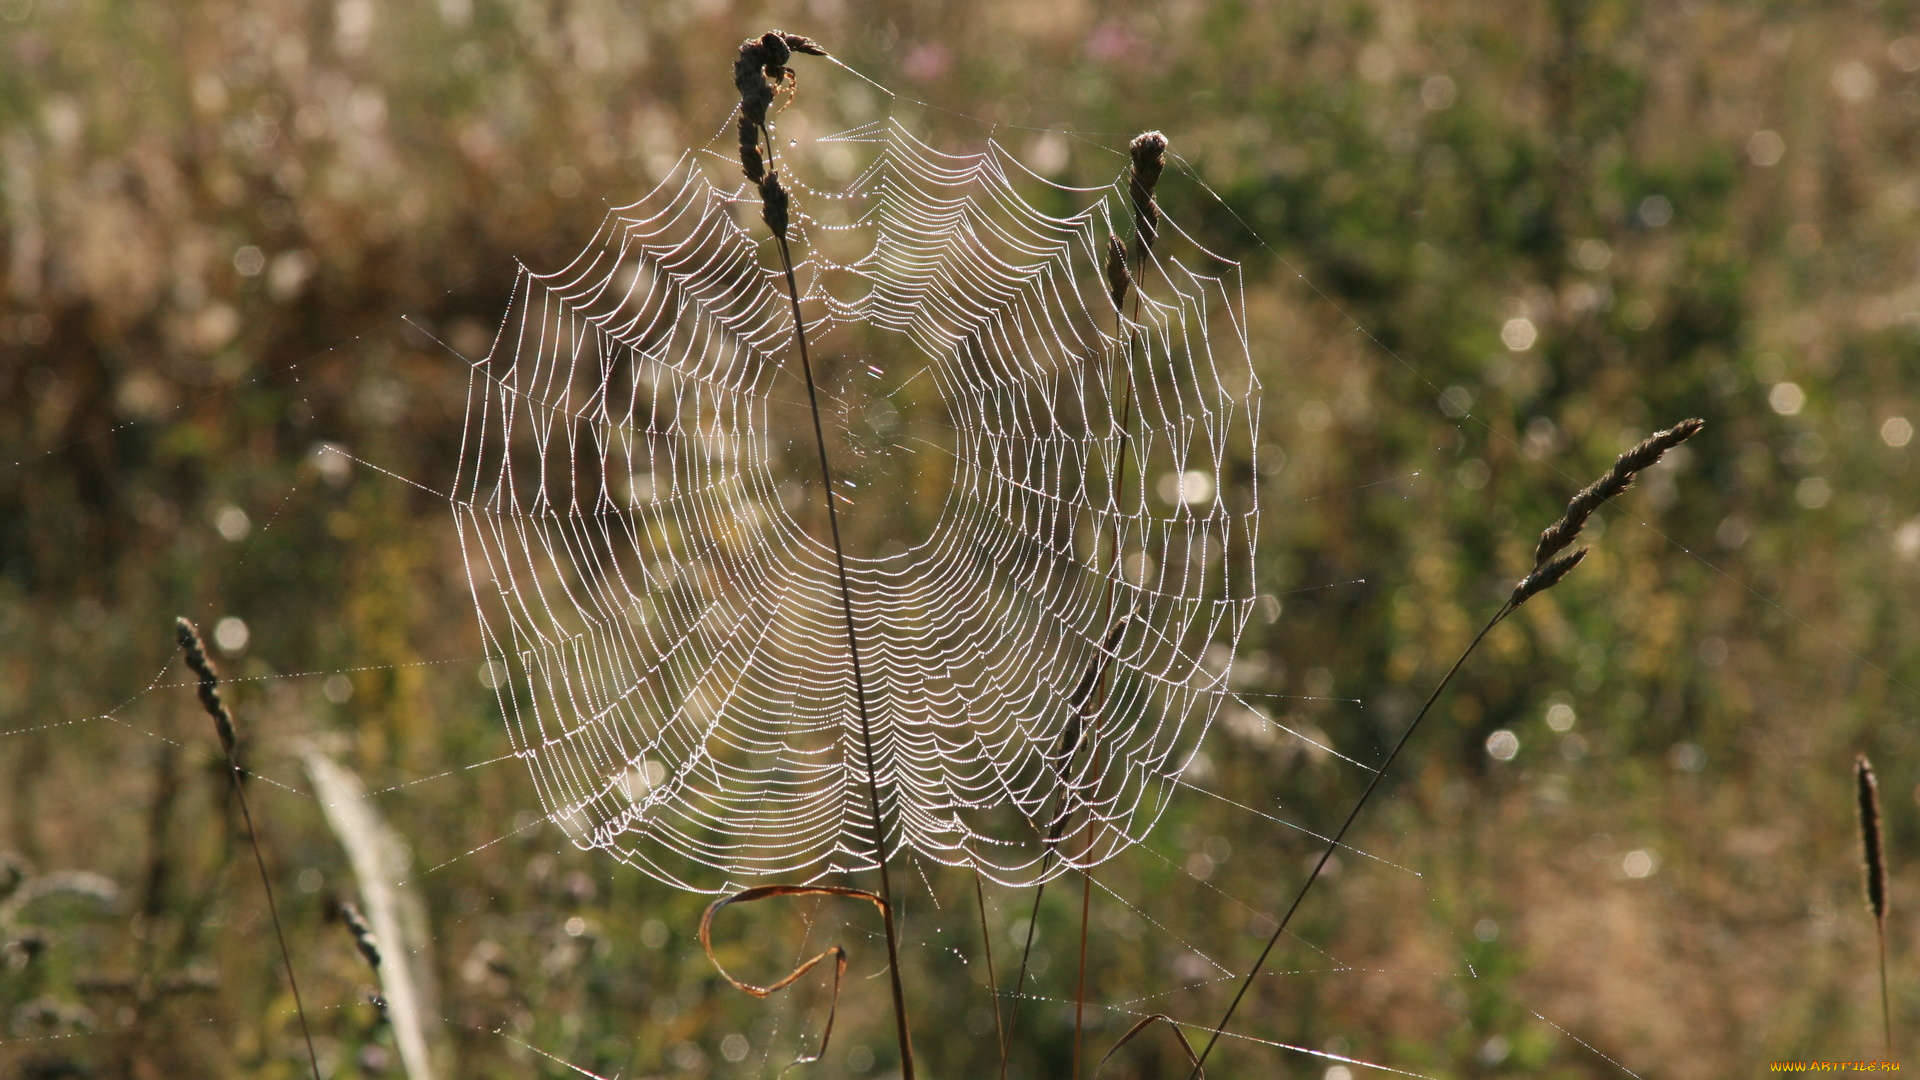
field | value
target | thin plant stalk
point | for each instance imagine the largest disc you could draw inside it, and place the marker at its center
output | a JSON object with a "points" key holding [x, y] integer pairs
{"points": [[166, 789], [1020, 981], [986, 944], [853, 654], [1069, 745], [1886, 1002], [1080, 987], [1552, 563], [197, 659], [758, 58], [1148, 152], [1334, 843]]}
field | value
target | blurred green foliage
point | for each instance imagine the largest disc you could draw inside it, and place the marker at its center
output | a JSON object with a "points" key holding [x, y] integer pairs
{"points": [[1487, 246]]}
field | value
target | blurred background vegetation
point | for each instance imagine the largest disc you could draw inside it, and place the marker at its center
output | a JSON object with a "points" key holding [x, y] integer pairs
{"points": [[1487, 244]]}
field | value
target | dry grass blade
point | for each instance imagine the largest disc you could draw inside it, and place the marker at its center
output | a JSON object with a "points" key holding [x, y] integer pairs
{"points": [[209, 688], [839, 953], [1874, 853], [1139, 1028], [393, 912]]}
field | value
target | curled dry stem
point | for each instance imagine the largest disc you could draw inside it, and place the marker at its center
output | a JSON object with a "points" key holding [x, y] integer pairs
{"points": [[837, 952], [1140, 1028]]}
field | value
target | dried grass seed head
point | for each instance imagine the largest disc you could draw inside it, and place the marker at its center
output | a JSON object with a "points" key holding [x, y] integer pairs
{"points": [[1546, 577], [773, 203], [202, 665], [1617, 480], [758, 73], [1119, 278], [1872, 841], [362, 931], [1149, 152]]}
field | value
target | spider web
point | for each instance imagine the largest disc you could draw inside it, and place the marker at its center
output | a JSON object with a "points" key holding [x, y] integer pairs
{"points": [[643, 524]]}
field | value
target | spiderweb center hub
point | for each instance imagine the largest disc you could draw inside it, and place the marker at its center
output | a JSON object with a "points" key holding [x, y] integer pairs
{"points": [[890, 442]]}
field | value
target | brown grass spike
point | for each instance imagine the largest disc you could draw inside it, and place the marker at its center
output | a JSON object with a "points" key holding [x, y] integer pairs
{"points": [[1149, 152], [202, 666], [1874, 853], [1618, 479]]}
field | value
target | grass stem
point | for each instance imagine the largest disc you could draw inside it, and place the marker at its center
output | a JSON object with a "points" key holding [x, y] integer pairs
{"points": [[993, 987], [1333, 844], [1552, 562], [853, 654], [1080, 988], [223, 726]]}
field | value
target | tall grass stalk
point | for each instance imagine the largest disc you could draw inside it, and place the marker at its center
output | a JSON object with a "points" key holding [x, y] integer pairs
{"points": [[1552, 563], [986, 946], [209, 688], [761, 67]]}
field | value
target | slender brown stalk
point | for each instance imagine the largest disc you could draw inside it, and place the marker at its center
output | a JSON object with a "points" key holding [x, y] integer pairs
{"points": [[1874, 853], [1080, 987], [166, 789], [1148, 152], [1149, 157], [1020, 981], [759, 71], [202, 666], [1549, 569], [986, 944]]}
